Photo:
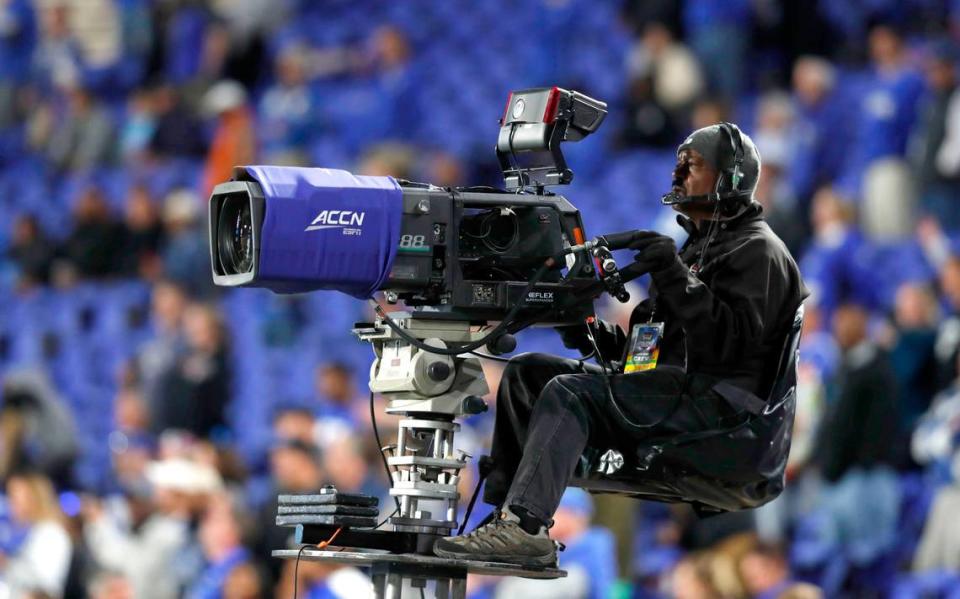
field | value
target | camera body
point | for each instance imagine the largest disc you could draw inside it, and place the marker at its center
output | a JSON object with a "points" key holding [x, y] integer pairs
{"points": [[464, 254]]}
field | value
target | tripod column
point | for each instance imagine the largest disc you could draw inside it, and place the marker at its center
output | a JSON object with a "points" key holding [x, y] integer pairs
{"points": [[426, 474]]}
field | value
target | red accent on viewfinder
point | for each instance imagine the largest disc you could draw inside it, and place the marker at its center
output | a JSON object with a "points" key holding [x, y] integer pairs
{"points": [[506, 109], [553, 102]]}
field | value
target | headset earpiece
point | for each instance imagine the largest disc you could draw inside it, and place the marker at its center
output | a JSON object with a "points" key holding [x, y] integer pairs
{"points": [[732, 133]]}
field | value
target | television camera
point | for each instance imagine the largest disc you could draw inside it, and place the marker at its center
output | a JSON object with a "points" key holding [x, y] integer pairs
{"points": [[457, 258]]}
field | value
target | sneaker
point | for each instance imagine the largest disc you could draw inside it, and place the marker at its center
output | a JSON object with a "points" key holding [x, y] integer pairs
{"points": [[502, 540]]}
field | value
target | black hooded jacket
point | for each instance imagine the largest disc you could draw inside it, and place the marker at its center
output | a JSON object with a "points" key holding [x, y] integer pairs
{"points": [[727, 302]]}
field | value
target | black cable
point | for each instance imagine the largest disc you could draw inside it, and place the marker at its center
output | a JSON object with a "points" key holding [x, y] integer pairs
{"points": [[507, 320], [376, 435], [473, 501], [593, 352], [384, 521], [710, 236], [296, 571], [489, 357], [609, 387], [581, 359]]}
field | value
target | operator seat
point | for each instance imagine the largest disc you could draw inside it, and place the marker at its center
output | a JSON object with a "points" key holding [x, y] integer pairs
{"points": [[720, 470]]}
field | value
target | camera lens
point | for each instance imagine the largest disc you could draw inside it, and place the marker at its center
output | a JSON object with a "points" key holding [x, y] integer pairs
{"points": [[235, 236]]}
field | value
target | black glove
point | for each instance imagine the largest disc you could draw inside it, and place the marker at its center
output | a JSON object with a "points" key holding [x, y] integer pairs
{"points": [[655, 252], [574, 336]]}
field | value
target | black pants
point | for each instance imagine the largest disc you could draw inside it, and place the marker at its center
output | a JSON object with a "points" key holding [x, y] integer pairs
{"points": [[549, 411]]}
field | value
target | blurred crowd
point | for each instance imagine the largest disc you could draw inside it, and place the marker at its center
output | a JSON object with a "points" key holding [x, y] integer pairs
{"points": [[148, 420]]}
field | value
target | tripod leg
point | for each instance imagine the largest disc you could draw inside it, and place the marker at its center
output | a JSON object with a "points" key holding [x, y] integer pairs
{"points": [[458, 588], [394, 586], [443, 588], [379, 584]]}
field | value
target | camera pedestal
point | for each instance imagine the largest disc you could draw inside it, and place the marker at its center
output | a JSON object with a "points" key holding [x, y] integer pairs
{"points": [[429, 390]]}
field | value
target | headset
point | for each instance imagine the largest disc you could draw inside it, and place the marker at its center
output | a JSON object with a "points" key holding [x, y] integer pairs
{"points": [[728, 183]]}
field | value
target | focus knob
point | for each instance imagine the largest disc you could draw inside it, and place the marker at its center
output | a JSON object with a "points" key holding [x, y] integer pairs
{"points": [[474, 405], [438, 371]]}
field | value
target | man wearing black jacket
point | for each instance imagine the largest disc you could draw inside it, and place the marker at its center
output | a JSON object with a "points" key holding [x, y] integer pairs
{"points": [[726, 302]]}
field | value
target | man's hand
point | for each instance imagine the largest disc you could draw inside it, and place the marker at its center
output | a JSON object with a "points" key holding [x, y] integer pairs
{"points": [[574, 336], [655, 252]]}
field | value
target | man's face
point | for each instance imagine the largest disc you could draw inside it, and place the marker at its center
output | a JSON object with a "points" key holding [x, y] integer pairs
{"points": [[694, 175]]}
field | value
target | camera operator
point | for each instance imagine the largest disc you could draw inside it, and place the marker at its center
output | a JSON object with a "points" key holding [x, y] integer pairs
{"points": [[721, 309]]}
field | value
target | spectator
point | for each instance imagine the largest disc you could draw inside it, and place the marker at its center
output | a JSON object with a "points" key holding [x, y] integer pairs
{"points": [[692, 579], [130, 413], [37, 430], [56, 60], [887, 111], [912, 354], [765, 572], [775, 127], [671, 69], [337, 394], [83, 136], [938, 159], [229, 572], [17, 38], [934, 443], [96, 30], [31, 251], [858, 446], [144, 539], [347, 468], [822, 133], [139, 126], [142, 235], [93, 246], [234, 140], [294, 423], [837, 266], [185, 253], [289, 114], [389, 56], [774, 139], [947, 346], [158, 356], [178, 132], [197, 390], [861, 421], [646, 123], [41, 562], [295, 469], [716, 30]]}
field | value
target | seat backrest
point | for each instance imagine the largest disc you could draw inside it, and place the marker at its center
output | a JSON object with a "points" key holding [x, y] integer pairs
{"points": [[786, 378]]}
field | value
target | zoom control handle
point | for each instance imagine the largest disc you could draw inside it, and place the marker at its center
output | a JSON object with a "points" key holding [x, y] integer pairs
{"points": [[610, 274]]}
